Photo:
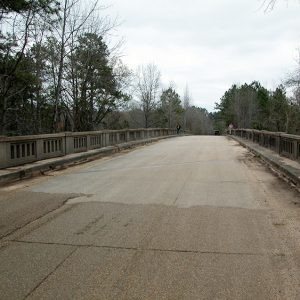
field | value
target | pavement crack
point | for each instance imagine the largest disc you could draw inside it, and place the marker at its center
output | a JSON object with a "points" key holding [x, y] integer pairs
{"points": [[90, 225], [144, 249], [37, 218], [183, 186], [49, 274]]}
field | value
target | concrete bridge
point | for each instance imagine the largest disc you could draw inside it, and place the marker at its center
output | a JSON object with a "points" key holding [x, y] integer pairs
{"points": [[193, 217]]}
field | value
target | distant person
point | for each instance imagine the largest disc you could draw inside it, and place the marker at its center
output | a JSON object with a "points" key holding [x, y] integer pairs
{"points": [[178, 127]]}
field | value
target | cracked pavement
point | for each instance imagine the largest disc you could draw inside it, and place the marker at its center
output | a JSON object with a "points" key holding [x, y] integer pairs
{"points": [[187, 218]]}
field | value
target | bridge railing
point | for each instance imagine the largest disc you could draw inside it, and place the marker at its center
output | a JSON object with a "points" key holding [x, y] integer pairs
{"points": [[19, 150], [287, 145]]}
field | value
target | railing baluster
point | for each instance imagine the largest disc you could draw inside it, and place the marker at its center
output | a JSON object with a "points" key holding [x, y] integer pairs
{"points": [[284, 144], [24, 149]]}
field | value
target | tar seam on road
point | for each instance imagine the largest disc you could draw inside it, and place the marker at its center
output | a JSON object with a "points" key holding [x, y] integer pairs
{"points": [[183, 186], [45, 215], [142, 249], [145, 167], [48, 275], [5, 235]]}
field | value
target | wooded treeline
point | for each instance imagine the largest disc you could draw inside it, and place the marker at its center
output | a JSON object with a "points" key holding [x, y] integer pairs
{"points": [[59, 71], [253, 106]]}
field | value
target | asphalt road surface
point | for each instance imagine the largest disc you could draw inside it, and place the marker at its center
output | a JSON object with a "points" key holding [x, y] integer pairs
{"points": [[184, 218]]}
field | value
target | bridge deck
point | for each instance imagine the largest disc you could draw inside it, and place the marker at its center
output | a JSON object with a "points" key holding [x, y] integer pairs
{"points": [[185, 218]]}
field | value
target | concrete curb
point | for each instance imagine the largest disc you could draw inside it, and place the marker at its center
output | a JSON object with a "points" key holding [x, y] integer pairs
{"points": [[39, 167], [292, 174]]}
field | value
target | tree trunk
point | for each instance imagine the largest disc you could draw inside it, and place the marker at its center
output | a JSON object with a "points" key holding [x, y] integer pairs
{"points": [[2, 122], [57, 93]]}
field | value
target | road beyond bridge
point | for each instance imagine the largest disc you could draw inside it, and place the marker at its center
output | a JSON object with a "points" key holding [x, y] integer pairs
{"points": [[196, 217]]}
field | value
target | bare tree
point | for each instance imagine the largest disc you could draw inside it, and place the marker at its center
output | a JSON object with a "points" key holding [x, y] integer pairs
{"points": [[186, 104], [147, 88], [293, 81], [269, 5], [71, 24], [77, 19], [198, 121]]}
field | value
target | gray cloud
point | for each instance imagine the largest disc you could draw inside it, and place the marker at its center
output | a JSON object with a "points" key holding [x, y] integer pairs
{"points": [[210, 44]]}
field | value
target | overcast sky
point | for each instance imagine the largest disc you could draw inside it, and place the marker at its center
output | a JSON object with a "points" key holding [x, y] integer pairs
{"points": [[210, 44]]}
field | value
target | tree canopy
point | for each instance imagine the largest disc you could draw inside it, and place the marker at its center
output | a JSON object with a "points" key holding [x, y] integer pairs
{"points": [[253, 106], [21, 6]]}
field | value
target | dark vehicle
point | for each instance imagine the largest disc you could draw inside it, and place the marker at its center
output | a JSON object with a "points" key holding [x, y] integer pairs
{"points": [[217, 132]]}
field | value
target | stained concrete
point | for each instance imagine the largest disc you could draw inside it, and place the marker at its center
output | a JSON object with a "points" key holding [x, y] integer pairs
{"points": [[187, 218], [285, 166]]}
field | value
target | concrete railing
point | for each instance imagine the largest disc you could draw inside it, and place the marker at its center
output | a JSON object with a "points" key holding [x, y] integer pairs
{"points": [[287, 145], [19, 150]]}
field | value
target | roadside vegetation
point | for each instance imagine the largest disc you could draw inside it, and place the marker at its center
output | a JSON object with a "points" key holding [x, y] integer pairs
{"points": [[60, 71], [253, 106], [250, 105]]}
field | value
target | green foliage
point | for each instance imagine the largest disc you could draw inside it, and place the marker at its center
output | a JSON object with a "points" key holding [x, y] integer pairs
{"points": [[16, 94], [32, 55], [19, 6], [253, 106], [218, 121], [170, 109], [198, 121], [97, 91]]}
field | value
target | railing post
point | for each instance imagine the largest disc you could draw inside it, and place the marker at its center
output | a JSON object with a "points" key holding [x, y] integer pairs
{"points": [[128, 136], [107, 139], [39, 149], [15, 151], [295, 150], [277, 138], [88, 142], [261, 139], [69, 143], [118, 137], [4, 153], [142, 134]]}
